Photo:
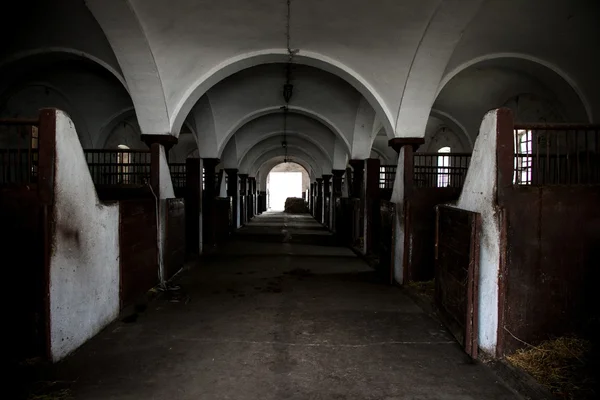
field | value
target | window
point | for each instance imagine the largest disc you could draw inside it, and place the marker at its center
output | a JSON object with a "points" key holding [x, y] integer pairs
{"points": [[443, 162], [523, 158], [124, 164]]}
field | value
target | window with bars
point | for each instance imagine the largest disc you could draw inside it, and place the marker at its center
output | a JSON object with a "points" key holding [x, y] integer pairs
{"points": [[524, 159], [123, 161], [443, 162]]}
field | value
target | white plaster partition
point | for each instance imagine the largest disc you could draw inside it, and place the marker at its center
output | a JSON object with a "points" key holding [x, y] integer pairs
{"points": [[84, 259], [479, 195]]}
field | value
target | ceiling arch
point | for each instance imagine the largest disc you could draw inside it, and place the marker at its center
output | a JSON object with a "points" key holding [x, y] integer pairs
{"points": [[272, 124], [26, 54], [324, 161], [257, 91], [490, 83], [523, 60], [231, 66], [267, 166], [296, 154], [298, 120], [127, 37]]}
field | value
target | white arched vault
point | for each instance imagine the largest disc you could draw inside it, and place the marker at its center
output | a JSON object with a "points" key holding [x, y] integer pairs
{"points": [[264, 59], [269, 125], [489, 83], [126, 35], [323, 160], [253, 93], [529, 64]]}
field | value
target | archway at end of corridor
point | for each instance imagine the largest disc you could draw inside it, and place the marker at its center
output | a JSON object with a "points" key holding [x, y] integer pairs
{"points": [[285, 180]]}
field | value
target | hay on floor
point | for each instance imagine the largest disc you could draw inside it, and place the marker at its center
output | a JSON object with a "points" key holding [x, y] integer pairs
{"points": [[560, 365]]}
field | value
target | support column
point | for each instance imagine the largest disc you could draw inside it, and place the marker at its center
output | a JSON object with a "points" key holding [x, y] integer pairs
{"points": [[358, 167], [405, 147], [372, 217], [209, 210], [326, 200], [319, 200], [243, 199], [162, 187], [263, 201], [337, 196], [311, 202], [358, 205], [193, 206], [251, 197], [233, 192]]}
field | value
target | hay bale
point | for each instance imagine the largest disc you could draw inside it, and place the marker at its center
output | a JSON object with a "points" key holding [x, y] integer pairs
{"points": [[295, 205]]}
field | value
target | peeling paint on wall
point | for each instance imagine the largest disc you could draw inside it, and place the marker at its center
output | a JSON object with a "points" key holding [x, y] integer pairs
{"points": [[479, 195]]}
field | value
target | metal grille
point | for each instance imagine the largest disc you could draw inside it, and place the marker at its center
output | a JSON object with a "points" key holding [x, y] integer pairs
{"points": [[556, 154], [178, 175], [441, 169], [387, 175], [19, 152], [119, 167]]}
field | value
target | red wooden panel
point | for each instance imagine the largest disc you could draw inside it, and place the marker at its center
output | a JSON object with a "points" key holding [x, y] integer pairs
{"points": [[457, 273], [175, 237], [138, 249]]}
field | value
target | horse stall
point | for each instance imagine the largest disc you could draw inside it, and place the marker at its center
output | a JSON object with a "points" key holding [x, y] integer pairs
{"points": [[64, 245], [549, 191], [437, 179], [24, 239], [536, 188]]}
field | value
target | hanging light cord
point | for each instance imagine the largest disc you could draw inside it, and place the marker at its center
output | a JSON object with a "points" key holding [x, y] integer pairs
{"points": [[288, 78]]}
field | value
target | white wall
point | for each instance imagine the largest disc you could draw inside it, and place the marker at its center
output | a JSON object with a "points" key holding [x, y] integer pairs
{"points": [[479, 195], [84, 260]]}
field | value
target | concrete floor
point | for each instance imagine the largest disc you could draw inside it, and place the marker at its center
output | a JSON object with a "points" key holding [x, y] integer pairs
{"points": [[280, 313]]}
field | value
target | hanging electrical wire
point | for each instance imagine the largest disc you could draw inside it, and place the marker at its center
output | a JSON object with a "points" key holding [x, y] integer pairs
{"points": [[288, 87]]}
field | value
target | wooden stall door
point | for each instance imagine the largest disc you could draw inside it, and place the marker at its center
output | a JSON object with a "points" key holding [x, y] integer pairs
{"points": [[457, 273], [387, 238], [175, 237]]}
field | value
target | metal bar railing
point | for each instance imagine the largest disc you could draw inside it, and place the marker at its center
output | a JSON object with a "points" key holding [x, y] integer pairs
{"points": [[387, 175], [556, 154], [18, 151], [441, 169], [178, 175], [119, 167]]}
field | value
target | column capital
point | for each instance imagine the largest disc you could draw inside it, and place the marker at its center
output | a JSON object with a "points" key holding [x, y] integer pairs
{"points": [[397, 143], [243, 176], [165, 139], [357, 163], [327, 177], [338, 173], [319, 180], [231, 171], [210, 162]]}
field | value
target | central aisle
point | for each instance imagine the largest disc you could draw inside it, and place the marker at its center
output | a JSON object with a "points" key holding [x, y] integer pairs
{"points": [[280, 313]]}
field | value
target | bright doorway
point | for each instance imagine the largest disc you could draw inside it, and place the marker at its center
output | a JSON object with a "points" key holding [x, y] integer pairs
{"points": [[282, 185]]}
